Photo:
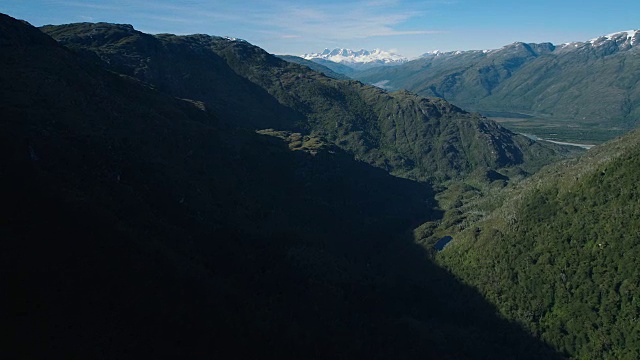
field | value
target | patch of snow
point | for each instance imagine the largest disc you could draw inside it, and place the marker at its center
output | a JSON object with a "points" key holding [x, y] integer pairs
{"points": [[626, 35], [234, 39], [432, 53], [382, 85], [452, 53]]}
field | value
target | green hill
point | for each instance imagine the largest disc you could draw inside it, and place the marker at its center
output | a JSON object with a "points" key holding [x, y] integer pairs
{"points": [[560, 256]]}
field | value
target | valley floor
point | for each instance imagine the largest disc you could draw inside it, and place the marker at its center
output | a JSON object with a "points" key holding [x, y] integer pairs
{"points": [[562, 131]]}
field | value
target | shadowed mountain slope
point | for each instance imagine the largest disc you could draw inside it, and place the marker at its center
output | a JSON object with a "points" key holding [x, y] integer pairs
{"points": [[136, 224]]}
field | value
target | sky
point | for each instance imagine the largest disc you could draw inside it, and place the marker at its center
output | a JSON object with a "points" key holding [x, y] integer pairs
{"points": [[407, 27]]}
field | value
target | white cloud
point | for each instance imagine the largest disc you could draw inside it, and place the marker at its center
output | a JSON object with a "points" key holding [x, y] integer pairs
{"points": [[322, 21], [278, 24], [342, 21]]}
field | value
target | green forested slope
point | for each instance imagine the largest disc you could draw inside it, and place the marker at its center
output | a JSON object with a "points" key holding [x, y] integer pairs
{"points": [[590, 83], [561, 255]]}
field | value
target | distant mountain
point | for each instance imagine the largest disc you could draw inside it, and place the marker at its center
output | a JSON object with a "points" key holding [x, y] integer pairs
{"points": [[594, 82], [623, 40], [457, 52], [360, 59]]}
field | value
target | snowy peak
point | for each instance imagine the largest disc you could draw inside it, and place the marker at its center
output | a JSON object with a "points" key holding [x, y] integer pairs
{"points": [[623, 40], [630, 36], [618, 41], [361, 57], [439, 53]]}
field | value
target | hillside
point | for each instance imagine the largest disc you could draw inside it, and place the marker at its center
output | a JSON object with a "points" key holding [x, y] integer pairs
{"points": [[590, 84], [402, 133], [560, 256], [336, 67], [314, 66], [137, 224]]}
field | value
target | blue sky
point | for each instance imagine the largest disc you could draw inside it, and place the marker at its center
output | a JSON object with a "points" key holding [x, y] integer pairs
{"points": [[406, 26]]}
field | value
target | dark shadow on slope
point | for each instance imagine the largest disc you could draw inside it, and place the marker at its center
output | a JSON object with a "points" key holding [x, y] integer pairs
{"points": [[133, 227], [321, 277]]}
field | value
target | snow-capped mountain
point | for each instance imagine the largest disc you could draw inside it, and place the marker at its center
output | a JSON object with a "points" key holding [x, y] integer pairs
{"points": [[622, 40], [618, 41], [358, 59], [455, 52], [589, 82]]}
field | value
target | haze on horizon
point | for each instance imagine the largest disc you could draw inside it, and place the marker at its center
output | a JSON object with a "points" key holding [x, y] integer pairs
{"points": [[407, 27]]}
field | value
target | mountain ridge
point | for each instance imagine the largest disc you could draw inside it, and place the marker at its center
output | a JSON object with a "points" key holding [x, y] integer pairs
{"points": [[593, 83], [358, 59], [383, 129], [632, 37]]}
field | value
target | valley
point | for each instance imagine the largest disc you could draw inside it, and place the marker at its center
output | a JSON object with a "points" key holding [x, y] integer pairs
{"points": [[194, 196], [561, 130]]}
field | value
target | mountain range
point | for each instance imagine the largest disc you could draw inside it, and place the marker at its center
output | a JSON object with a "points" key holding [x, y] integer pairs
{"points": [[360, 59], [194, 196], [593, 82], [400, 132]]}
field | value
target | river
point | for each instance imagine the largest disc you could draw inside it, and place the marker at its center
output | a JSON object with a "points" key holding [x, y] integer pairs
{"points": [[584, 146]]}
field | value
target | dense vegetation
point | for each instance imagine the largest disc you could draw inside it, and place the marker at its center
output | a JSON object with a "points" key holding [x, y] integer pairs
{"points": [[561, 254], [588, 84], [136, 224]]}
